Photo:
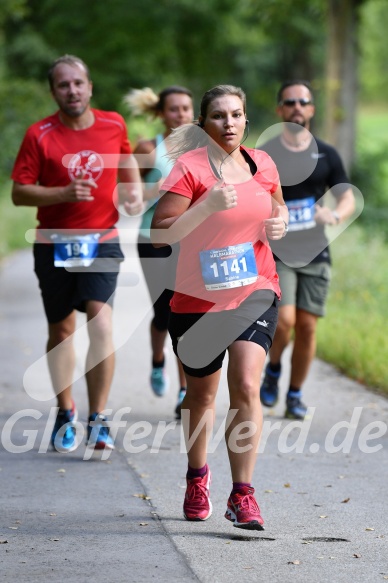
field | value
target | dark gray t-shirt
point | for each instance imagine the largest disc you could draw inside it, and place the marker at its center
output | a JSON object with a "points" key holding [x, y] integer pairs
{"points": [[305, 177]]}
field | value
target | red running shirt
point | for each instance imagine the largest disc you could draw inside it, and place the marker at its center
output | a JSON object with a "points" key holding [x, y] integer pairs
{"points": [[52, 154], [193, 177]]}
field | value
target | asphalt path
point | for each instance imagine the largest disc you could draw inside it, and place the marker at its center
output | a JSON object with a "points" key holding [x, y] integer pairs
{"points": [[74, 517]]}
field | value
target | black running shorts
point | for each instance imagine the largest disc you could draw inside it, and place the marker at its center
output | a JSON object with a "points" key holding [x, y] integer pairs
{"points": [[201, 340], [64, 290]]}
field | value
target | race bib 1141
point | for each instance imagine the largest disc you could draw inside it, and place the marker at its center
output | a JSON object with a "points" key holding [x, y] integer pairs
{"points": [[228, 267]]}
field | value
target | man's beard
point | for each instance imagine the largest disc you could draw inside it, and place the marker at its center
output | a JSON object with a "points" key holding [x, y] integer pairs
{"points": [[295, 127], [74, 112]]}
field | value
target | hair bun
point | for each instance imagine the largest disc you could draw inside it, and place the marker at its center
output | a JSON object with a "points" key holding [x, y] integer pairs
{"points": [[141, 101]]}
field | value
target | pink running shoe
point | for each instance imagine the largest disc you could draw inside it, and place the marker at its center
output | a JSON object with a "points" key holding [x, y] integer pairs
{"points": [[197, 505], [244, 511]]}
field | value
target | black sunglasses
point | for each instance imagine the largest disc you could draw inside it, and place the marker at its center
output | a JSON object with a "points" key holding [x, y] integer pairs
{"points": [[293, 102]]}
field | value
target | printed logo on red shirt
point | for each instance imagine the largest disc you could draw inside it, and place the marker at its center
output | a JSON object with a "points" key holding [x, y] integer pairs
{"points": [[87, 163]]}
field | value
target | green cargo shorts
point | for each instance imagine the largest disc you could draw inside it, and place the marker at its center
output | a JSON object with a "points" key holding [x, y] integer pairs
{"points": [[305, 287]]}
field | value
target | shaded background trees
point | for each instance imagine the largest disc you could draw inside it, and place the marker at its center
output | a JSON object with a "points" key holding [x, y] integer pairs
{"points": [[252, 43]]}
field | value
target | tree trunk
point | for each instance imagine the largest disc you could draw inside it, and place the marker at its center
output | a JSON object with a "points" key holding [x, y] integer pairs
{"points": [[341, 77]]}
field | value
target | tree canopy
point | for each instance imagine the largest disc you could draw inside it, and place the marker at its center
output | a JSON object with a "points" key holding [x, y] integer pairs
{"points": [[255, 44]]}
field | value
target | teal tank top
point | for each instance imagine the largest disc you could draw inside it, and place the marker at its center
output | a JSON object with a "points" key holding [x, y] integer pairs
{"points": [[162, 168]]}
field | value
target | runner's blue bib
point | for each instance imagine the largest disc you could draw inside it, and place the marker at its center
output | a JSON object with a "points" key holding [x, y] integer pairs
{"points": [[228, 267], [301, 213], [75, 250]]}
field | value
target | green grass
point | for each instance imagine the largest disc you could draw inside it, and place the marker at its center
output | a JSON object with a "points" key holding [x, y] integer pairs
{"points": [[352, 336], [142, 128], [14, 222], [372, 127]]}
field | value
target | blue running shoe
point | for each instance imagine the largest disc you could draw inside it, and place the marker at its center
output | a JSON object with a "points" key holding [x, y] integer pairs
{"points": [[269, 390], [98, 433], [181, 396], [295, 408], [63, 437], [159, 381]]}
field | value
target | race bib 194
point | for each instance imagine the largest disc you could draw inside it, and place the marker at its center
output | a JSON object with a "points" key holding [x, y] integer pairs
{"points": [[75, 250], [228, 267]]}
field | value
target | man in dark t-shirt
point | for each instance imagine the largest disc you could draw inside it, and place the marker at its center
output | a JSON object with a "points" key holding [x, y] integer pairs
{"points": [[307, 167]]}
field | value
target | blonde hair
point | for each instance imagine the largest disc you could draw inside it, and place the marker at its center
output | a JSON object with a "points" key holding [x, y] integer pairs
{"points": [[146, 102], [141, 101], [188, 137]]}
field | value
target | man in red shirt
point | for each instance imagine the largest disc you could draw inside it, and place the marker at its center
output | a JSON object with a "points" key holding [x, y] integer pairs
{"points": [[68, 166]]}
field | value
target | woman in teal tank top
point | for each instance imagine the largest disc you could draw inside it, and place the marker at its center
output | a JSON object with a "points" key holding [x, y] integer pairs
{"points": [[174, 106]]}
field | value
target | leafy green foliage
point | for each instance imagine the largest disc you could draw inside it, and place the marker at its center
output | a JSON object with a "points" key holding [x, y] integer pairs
{"points": [[30, 55], [370, 172], [15, 9], [14, 222], [374, 51], [23, 103], [254, 44]]}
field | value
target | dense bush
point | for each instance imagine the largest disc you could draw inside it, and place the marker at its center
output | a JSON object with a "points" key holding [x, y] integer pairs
{"points": [[23, 102], [370, 175]]}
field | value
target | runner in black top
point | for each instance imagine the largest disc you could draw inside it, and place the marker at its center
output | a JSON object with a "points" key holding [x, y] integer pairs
{"points": [[307, 168]]}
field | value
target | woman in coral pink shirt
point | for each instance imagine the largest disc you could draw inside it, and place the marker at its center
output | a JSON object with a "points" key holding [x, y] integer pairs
{"points": [[222, 202]]}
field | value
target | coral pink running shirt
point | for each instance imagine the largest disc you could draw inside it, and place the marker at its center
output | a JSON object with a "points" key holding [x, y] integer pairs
{"points": [[227, 257]]}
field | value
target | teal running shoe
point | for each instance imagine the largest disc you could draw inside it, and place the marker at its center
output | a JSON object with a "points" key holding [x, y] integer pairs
{"points": [[269, 390], [98, 433], [159, 381], [63, 437], [181, 396], [295, 408]]}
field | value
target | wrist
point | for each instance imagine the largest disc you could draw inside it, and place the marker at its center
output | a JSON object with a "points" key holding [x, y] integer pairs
{"points": [[206, 208], [61, 194], [337, 218]]}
